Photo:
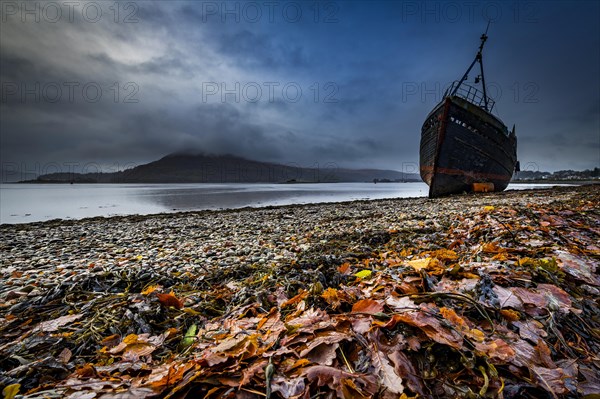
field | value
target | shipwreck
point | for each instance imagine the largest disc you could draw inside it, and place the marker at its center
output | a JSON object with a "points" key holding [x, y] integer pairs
{"points": [[464, 147]]}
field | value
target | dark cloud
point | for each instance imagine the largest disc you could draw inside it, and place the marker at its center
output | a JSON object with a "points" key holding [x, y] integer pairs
{"points": [[367, 81]]}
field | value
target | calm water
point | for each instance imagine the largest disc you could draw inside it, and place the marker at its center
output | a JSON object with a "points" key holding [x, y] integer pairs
{"points": [[23, 203]]}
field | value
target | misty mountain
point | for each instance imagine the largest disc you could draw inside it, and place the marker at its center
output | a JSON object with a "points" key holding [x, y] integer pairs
{"points": [[206, 168]]}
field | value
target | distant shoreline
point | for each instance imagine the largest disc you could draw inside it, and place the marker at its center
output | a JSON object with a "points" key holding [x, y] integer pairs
{"points": [[555, 181]]}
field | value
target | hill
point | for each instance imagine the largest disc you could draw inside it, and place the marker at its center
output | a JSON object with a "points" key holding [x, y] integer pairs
{"points": [[205, 168]]}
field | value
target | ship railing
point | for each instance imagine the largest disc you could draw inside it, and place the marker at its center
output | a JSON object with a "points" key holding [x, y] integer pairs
{"points": [[471, 94]]}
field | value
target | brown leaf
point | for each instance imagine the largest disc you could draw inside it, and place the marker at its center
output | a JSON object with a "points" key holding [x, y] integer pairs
{"points": [[170, 300], [369, 306], [87, 370], [406, 369], [332, 378], [386, 372], [249, 372], [296, 299], [557, 297], [322, 348], [330, 295], [131, 393], [498, 350], [322, 354], [288, 388], [578, 267], [429, 325], [111, 341], [65, 356], [167, 375], [530, 330], [507, 298], [54, 325], [555, 381]]}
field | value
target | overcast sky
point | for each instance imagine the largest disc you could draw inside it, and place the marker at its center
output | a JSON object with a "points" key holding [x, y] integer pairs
{"points": [[87, 84]]}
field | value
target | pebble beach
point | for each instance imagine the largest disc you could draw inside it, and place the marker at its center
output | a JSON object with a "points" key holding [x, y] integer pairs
{"points": [[101, 307]]}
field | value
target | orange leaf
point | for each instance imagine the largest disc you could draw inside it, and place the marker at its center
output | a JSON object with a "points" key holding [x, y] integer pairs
{"points": [[419, 264], [330, 295], [343, 268], [450, 315], [510, 315], [130, 339], [87, 370], [298, 298], [369, 306], [491, 247], [299, 363], [170, 300], [150, 289], [445, 254]]}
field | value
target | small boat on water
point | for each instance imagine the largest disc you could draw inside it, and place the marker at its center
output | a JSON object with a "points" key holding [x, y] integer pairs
{"points": [[464, 147]]}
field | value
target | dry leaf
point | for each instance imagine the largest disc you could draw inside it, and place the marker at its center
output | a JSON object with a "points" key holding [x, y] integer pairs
{"points": [[369, 306], [386, 372], [419, 264], [363, 274], [170, 300], [150, 289], [53, 325], [10, 391], [65, 356]]}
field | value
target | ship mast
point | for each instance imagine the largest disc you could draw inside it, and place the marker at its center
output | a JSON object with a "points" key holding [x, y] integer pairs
{"points": [[479, 59]]}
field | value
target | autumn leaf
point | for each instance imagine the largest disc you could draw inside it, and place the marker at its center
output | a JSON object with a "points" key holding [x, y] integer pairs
{"points": [[10, 391], [330, 295], [53, 325], [288, 388], [510, 315], [363, 274], [170, 300], [555, 381], [430, 326], [419, 264], [344, 267], [321, 354], [87, 370], [302, 295], [167, 374], [386, 372], [65, 355], [130, 339], [369, 306], [491, 247], [150, 289], [445, 255], [332, 377], [299, 363]]}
